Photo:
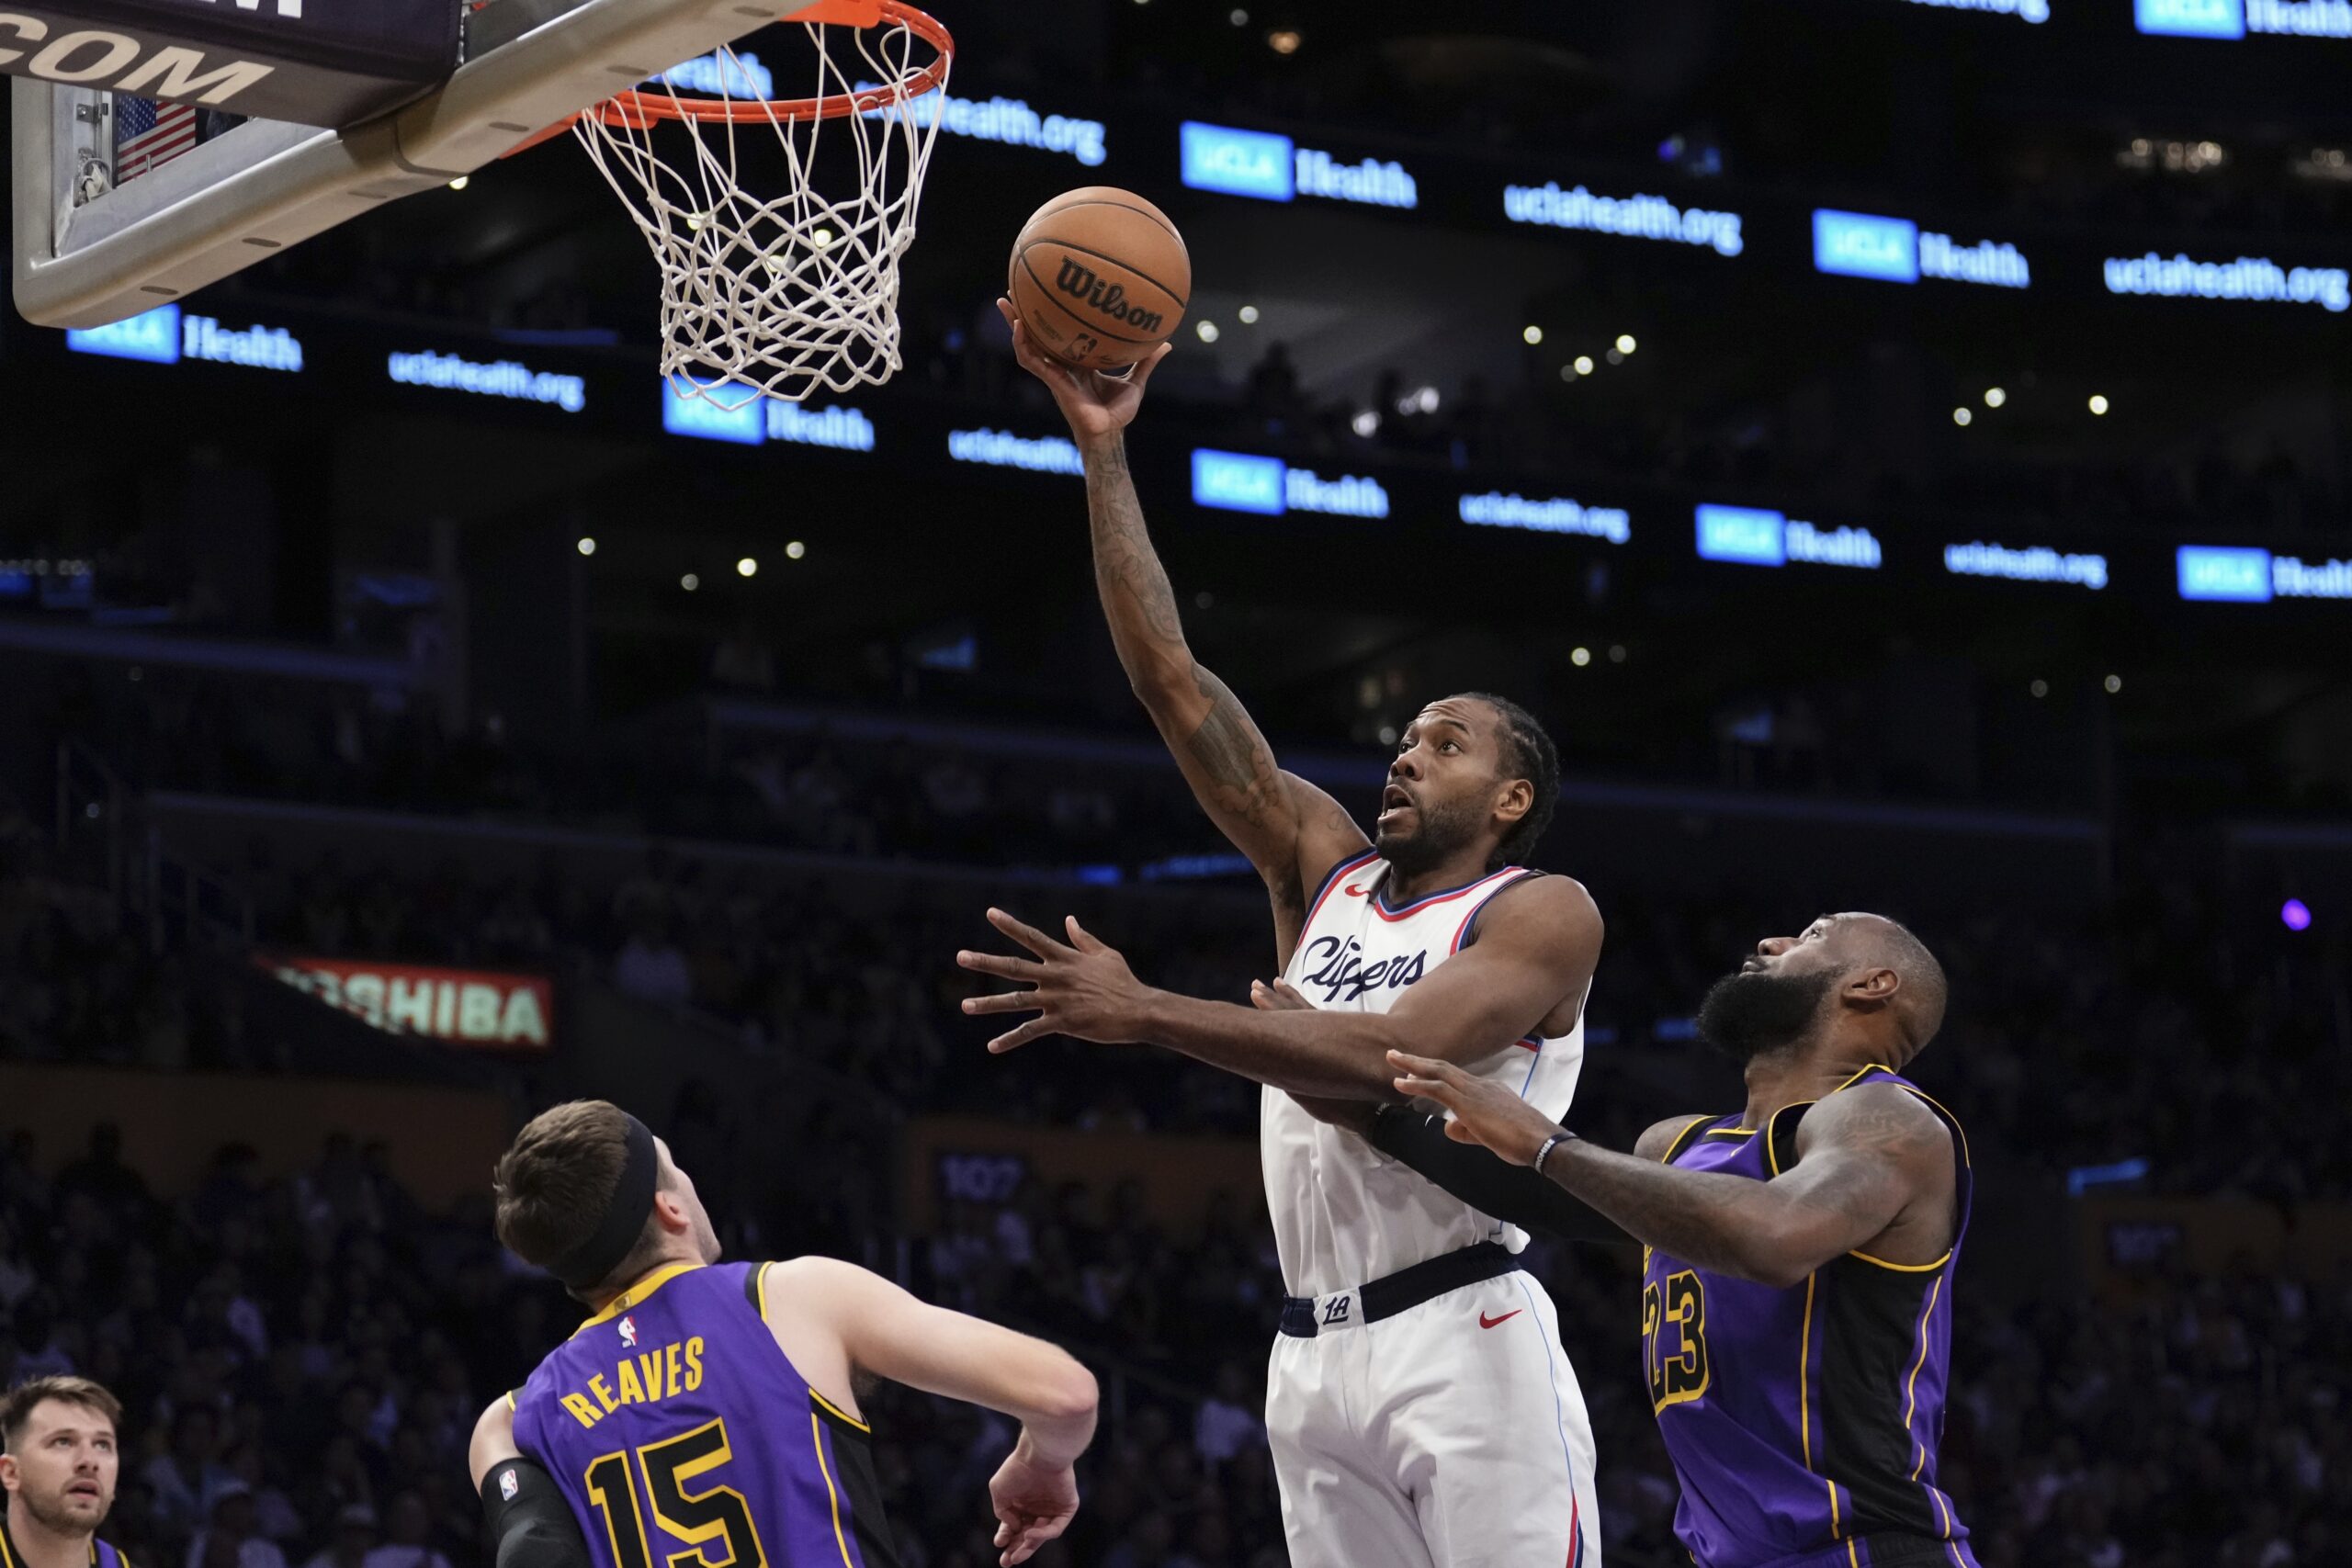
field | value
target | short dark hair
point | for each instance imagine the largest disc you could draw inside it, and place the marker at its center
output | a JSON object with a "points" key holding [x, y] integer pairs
{"points": [[554, 1183], [1527, 753], [17, 1408]]}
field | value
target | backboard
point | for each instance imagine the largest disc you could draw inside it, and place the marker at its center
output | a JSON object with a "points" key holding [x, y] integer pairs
{"points": [[91, 249]]}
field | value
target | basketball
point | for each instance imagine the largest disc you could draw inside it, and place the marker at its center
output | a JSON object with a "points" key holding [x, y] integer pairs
{"points": [[1100, 277]]}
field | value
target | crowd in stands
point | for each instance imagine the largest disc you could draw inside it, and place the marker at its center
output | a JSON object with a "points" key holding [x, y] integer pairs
{"points": [[301, 1357]]}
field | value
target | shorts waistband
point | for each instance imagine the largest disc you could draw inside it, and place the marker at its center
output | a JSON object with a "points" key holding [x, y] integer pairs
{"points": [[1304, 1317]]}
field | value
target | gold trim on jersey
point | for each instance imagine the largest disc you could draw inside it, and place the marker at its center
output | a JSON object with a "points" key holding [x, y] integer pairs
{"points": [[760, 1285], [816, 1437], [1729, 1133], [1683, 1137], [1903, 1268], [639, 1293], [1912, 1413], [837, 1410]]}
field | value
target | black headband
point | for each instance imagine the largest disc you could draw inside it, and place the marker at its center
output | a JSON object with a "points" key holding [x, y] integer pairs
{"points": [[614, 1237]]}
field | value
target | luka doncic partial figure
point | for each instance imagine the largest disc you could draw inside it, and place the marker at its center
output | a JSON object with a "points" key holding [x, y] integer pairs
{"points": [[1797, 1276], [705, 1416]]}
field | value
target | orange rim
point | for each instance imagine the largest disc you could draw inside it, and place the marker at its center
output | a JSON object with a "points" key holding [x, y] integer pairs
{"points": [[638, 108]]}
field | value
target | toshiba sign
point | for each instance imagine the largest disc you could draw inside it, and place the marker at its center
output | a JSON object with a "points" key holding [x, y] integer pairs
{"points": [[466, 1007]]}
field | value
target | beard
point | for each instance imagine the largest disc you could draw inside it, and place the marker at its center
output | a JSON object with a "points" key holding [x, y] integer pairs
{"points": [[1441, 831], [1751, 1014], [67, 1516]]}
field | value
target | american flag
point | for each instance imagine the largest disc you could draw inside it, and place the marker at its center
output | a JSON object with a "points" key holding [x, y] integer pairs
{"points": [[148, 133]]}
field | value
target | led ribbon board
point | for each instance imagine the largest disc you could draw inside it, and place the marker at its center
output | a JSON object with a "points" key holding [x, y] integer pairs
{"points": [[2241, 575], [1749, 535], [1895, 250], [2237, 19], [165, 335], [1268, 167], [327, 62], [1241, 481]]}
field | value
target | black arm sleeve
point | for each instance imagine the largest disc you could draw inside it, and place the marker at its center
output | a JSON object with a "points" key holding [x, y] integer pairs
{"points": [[1486, 1183], [530, 1524]]}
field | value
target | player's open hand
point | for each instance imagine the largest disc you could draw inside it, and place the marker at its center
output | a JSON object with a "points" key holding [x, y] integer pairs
{"points": [[1095, 404], [1081, 988], [1482, 1111], [1035, 1503]]}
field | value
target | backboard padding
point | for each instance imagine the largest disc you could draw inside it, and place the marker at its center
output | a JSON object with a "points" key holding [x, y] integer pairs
{"points": [[265, 185]]}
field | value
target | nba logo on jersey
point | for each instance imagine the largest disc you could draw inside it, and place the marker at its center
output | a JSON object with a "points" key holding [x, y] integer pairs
{"points": [[508, 1485], [628, 1331]]}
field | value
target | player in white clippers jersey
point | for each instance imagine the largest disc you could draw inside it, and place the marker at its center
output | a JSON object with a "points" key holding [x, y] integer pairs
{"points": [[1422, 1409]]}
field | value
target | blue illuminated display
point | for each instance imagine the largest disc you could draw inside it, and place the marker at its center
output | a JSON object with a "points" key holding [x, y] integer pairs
{"points": [[1556, 515], [164, 336], [1237, 482], [683, 414], [1241, 481], [1238, 162], [516, 383], [1894, 250], [2254, 279], [2036, 563], [730, 75], [1002, 449], [153, 337], [2239, 576], [1008, 123], [1750, 535], [1268, 167], [1856, 245], [764, 419], [1638, 217], [2190, 19], [1741, 533]]}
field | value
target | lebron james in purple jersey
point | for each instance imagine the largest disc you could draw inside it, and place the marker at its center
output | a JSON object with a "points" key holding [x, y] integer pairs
{"points": [[1798, 1257], [705, 1416]]}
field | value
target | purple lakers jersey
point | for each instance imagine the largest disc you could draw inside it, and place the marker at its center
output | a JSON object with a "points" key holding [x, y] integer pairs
{"points": [[683, 1437], [1803, 1423], [102, 1554]]}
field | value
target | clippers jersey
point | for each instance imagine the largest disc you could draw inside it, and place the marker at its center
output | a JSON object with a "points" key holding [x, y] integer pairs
{"points": [[1344, 1214], [1803, 1422], [682, 1437]]}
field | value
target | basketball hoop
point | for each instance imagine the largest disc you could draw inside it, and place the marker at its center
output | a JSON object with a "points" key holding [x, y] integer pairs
{"points": [[779, 296]]}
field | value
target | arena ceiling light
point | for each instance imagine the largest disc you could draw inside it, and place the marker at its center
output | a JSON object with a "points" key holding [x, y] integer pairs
{"points": [[587, 547], [1584, 365], [747, 567], [2099, 403], [1284, 41], [1625, 343], [1533, 335], [1995, 396], [1964, 416], [794, 550]]}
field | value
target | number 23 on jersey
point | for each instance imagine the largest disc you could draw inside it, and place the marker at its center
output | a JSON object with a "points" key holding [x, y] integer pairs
{"points": [[1678, 1369]]}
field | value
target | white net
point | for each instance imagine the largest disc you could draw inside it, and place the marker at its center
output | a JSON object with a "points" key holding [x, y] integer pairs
{"points": [[780, 295]]}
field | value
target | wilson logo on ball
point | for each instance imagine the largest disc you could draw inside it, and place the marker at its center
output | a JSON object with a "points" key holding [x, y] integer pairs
{"points": [[1108, 299]]}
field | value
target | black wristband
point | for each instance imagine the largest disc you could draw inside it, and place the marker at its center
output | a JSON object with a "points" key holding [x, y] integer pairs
{"points": [[1554, 1142]]}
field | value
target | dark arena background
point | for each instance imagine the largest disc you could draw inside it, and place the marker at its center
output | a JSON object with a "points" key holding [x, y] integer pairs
{"points": [[1903, 451]]}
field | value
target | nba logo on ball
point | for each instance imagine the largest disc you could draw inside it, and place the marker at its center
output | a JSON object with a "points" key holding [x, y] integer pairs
{"points": [[628, 1331]]}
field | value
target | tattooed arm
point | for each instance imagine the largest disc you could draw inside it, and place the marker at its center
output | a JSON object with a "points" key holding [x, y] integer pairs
{"points": [[1291, 830], [1873, 1173]]}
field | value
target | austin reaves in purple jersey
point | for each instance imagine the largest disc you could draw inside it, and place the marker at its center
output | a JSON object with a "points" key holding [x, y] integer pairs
{"points": [[706, 1414]]}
